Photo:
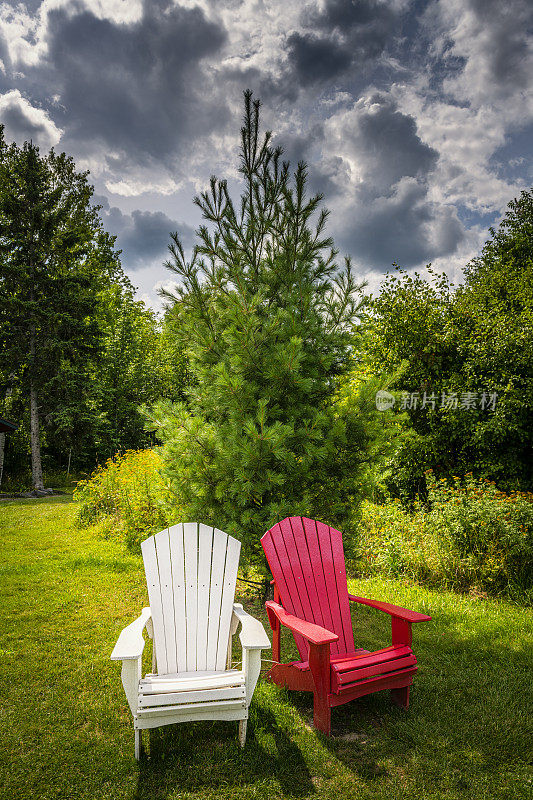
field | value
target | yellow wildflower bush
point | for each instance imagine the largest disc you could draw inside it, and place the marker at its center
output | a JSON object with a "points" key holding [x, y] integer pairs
{"points": [[128, 497], [469, 536]]}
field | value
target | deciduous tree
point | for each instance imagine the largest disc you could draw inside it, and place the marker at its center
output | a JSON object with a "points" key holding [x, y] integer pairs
{"points": [[54, 258]]}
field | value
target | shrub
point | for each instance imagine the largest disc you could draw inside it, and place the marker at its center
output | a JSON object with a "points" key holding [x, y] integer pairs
{"points": [[469, 536], [128, 497]]}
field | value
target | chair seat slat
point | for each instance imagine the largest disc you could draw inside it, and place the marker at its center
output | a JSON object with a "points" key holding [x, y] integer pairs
{"points": [[350, 676], [162, 710], [368, 659], [181, 697], [190, 681]]}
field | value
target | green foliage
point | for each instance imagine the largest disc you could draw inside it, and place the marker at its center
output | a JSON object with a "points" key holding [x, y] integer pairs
{"points": [[54, 259], [266, 322], [128, 497], [133, 363], [473, 536], [70, 326], [384, 433], [494, 311], [127, 372], [475, 338], [172, 369]]}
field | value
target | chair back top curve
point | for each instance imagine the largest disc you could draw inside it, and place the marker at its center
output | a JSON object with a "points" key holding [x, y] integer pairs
{"points": [[306, 559], [191, 573]]}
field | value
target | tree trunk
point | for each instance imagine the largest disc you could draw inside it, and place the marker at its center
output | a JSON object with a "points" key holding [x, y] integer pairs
{"points": [[9, 392], [2, 447], [36, 467]]}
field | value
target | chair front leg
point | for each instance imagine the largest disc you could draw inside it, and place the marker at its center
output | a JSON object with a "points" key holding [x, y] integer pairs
{"points": [[320, 666], [251, 664], [276, 630], [402, 632], [131, 675], [402, 635]]}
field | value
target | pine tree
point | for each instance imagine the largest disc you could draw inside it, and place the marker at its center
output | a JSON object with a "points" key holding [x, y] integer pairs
{"points": [[267, 320]]}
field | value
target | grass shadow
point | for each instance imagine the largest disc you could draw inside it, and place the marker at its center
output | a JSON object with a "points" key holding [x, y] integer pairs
{"points": [[202, 757], [470, 718], [353, 733]]}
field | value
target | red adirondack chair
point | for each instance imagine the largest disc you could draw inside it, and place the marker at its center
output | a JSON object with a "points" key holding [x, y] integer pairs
{"points": [[311, 599]]}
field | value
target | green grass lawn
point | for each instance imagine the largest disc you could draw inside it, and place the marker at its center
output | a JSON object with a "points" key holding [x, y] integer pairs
{"points": [[66, 731]]}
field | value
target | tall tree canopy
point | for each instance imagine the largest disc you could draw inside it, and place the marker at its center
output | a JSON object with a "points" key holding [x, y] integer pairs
{"points": [[475, 342], [267, 319], [55, 258], [139, 362]]}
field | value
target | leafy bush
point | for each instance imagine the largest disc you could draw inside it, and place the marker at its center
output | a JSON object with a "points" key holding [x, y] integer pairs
{"points": [[476, 337], [469, 536], [128, 497]]}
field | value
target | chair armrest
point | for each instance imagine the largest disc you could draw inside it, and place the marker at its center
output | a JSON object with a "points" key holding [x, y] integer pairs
{"points": [[394, 611], [313, 633], [130, 643], [252, 634]]}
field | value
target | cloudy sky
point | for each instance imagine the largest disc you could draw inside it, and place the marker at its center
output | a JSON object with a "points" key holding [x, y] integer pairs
{"points": [[416, 118]]}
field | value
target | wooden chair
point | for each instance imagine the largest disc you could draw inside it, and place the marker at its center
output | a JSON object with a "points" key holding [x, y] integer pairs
{"points": [[311, 599], [191, 572]]}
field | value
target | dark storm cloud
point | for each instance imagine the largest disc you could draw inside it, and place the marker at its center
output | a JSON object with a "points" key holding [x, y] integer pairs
{"points": [[326, 173], [387, 142], [510, 25], [18, 126], [136, 87], [405, 228], [143, 236], [146, 105], [389, 216], [341, 15], [23, 123], [341, 36], [315, 59]]}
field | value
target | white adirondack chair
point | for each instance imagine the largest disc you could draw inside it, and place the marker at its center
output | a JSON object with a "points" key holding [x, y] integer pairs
{"points": [[191, 571]]}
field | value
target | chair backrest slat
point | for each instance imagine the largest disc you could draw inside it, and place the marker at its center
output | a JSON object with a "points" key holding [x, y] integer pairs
{"points": [[205, 549], [228, 594], [215, 597], [324, 539], [162, 545], [190, 547], [307, 561], [175, 537], [191, 574], [339, 567], [154, 596]]}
